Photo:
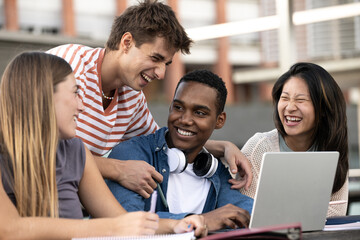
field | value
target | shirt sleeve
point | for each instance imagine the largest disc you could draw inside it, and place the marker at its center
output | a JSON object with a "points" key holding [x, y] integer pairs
{"points": [[228, 195], [172, 215], [142, 122], [132, 201], [341, 195], [128, 199], [254, 150], [137, 148]]}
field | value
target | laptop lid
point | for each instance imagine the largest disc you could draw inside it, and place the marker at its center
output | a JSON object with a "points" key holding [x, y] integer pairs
{"points": [[294, 187]]}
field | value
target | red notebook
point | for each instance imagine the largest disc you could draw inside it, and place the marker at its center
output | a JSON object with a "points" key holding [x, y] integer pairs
{"points": [[283, 231]]}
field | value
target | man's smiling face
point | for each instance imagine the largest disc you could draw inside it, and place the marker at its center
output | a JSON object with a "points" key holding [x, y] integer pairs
{"points": [[193, 116], [141, 65]]}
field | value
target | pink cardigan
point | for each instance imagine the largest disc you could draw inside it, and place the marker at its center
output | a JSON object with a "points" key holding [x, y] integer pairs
{"points": [[260, 143]]}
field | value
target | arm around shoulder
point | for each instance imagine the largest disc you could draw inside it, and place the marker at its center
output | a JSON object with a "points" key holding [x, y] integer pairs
{"points": [[231, 196], [254, 150], [234, 158]]}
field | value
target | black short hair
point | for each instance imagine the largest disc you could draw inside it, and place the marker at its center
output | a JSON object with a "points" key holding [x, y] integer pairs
{"points": [[212, 80]]}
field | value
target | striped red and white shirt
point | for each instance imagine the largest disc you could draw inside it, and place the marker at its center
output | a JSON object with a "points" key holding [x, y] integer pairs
{"points": [[126, 116]]}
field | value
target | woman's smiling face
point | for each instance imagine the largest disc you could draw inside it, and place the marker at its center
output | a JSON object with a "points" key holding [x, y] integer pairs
{"points": [[67, 106], [296, 110]]}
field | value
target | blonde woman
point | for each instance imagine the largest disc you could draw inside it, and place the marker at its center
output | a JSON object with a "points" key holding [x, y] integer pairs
{"points": [[46, 173]]}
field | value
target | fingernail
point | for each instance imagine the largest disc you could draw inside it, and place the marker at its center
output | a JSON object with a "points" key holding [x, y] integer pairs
{"points": [[189, 226]]}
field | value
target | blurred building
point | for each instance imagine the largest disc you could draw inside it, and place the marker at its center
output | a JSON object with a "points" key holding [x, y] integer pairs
{"points": [[249, 43]]}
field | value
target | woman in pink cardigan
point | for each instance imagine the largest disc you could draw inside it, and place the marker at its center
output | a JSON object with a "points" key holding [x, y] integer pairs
{"points": [[309, 115]]}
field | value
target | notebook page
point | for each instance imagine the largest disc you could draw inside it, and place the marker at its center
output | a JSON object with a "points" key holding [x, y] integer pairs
{"points": [[179, 236]]}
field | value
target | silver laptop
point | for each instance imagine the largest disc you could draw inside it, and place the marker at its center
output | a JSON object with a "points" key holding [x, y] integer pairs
{"points": [[294, 187]]}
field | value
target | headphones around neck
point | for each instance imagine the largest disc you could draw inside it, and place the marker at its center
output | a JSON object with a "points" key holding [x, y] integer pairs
{"points": [[205, 164]]}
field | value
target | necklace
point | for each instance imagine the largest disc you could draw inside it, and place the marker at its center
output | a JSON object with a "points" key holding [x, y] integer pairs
{"points": [[106, 97]]}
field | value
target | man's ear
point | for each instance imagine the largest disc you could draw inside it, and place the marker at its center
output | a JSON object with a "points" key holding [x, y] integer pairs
{"points": [[126, 42], [220, 121]]}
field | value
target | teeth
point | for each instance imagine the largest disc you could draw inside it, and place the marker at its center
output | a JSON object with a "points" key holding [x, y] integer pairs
{"points": [[293, 119], [146, 78], [185, 133]]}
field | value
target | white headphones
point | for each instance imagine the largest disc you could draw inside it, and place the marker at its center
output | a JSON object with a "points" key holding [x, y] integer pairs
{"points": [[205, 164]]}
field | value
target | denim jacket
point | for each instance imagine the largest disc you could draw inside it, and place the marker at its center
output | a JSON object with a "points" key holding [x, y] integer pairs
{"points": [[152, 149]]}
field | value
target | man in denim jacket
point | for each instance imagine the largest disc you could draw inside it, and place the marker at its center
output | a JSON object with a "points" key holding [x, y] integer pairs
{"points": [[193, 181]]}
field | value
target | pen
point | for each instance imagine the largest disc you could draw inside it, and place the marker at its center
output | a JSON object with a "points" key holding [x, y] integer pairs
{"points": [[163, 199]]}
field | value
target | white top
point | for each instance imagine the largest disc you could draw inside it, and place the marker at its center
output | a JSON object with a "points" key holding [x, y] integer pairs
{"points": [[187, 192]]}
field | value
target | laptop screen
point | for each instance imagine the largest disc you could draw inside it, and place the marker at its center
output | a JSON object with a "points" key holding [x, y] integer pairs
{"points": [[294, 187]]}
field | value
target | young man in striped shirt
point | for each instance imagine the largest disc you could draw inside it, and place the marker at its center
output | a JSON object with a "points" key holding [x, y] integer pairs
{"points": [[142, 43]]}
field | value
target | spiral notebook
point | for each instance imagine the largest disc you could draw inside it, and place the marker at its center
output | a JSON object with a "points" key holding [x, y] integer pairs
{"points": [[179, 236]]}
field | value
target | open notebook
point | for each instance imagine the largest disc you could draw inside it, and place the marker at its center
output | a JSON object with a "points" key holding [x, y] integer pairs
{"points": [[280, 232], [179, 236]]}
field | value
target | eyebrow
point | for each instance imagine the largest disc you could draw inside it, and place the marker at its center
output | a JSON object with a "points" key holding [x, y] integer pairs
{"points": [[298, 95], [162, 58], [158, 55], [197, 106]]}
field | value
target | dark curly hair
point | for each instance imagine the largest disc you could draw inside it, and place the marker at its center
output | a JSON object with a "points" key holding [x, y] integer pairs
{"points": [[212, 80]]}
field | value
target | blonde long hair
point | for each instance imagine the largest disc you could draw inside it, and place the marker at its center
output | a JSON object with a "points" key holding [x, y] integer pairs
{"points": [[28, 130]]}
